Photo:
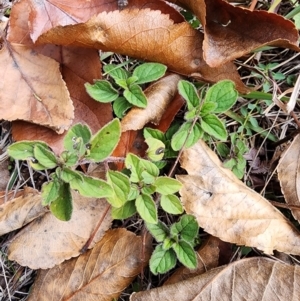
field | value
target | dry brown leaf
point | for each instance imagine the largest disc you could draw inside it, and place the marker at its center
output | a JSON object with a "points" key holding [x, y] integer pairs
{"points": [[48, 241], [28, 92], [79, 65], [100, 274], [159, 96], [148, 35], [208, 258], [231, 31], [289, 177], [21, 210], [248, 279], [228, 209]]}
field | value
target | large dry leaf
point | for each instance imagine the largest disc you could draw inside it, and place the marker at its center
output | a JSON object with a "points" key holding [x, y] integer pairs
{"points": [[100, 274], [79, 65], [29, 93], [249, 279], [47, 241], [289, 177], [232, 31], [228, 209], [159, 96], [148, 35], [208, 258], [21, 210]]}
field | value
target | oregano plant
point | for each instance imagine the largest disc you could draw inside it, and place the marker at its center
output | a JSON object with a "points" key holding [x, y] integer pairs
{"points": [[80, 145], [131, 93], [201, 118]]}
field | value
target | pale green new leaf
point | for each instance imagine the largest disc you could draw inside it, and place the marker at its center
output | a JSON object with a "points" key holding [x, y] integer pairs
{"points": [[136, 96], [50, 192], [159, 231], [171, 204], [213, 126], [146, 208], [166, 185], [44, 156], [162, 260], [121, 187], [132, 162], [185, 254], [115, 71], [188, 91], [153, 133], [156, 149], [223, 94], [149, 72], [102, 91], [23, 150], [125, 211], [104, 141], [68, 175]]}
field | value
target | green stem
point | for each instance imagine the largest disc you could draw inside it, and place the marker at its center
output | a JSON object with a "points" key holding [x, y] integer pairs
{"points": [[256, 129]]}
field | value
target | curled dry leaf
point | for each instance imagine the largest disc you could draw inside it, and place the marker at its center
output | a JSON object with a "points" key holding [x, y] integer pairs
{"points": [[21, 210], [159, 96], [28, 92], [47, 241], [244, 30], [208, 258], [100, 274], [247, 279], [79, 65], [289, 177], [148, 35], [228, 209]]}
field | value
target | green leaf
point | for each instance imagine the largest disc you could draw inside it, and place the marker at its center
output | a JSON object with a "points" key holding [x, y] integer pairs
{"points": [[208, 107], [121, 106], [44, 156], [104, 141], [153, 133], [223, 94], [149, 72], [50, 192], [68, 175], [23, 150], [69, 159], [213, 126], [134, 192], [166, 185], [146, 208], [148, 189], [125, 211], [122, 83], [149, 169], [121, 187], [230, 163], [34, 163], [136, 96], [132, 162], [188, 91], [168, 243], [115, 71], [62, 206], [131, 80], [223, 150], [171, 204], [76, 139], [102, 91], [185, 254], [162, 260], [159, 231], [187, 227], [91, 187], [156, 149]]}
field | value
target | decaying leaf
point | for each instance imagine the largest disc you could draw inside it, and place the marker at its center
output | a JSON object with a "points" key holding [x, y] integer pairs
{"points": [[244, 30], [47, 241], [208, 258], [228, 209], [159, 96], [29, 93], [289, 177], [21, 210], [100, 274], [248, 279], [154, 37], [79, 65]]}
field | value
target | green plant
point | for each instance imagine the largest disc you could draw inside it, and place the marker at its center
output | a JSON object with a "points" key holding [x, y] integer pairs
{"points": [[137, 191], [201, 120], [132, 94], [176, 241], [79, 146]]}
